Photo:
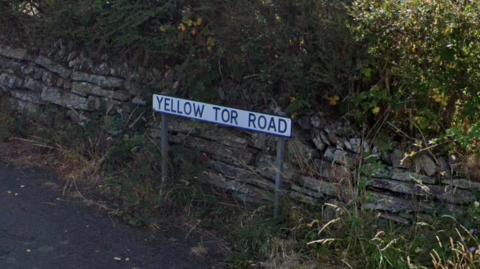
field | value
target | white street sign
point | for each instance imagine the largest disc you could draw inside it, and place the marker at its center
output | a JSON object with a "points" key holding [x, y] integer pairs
{"points": [[238, 118]]}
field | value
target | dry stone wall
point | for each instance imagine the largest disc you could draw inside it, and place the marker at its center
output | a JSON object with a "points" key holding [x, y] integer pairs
{"points": [[325, 162]]}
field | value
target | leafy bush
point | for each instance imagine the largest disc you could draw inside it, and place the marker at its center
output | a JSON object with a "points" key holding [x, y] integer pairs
{"points": [[424, 55]]}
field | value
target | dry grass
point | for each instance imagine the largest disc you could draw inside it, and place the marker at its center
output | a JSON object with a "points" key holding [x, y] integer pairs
{"points": [[199, 251], [293, 260]]}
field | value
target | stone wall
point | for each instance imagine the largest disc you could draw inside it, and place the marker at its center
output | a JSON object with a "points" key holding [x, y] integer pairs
{"points": [[325, 160]]}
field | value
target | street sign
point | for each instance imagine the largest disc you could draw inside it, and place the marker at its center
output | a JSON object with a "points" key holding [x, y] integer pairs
{"points": [[238, 118]]}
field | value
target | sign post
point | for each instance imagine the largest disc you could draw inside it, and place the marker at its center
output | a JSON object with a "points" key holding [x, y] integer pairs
{"points": [[278, 178], [164, 147], [280, 126]]}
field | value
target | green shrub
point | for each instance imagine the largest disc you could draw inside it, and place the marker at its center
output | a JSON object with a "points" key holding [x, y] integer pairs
{"points": [[424, 56]]}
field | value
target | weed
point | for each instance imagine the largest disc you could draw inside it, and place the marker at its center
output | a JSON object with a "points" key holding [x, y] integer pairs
{"points": [[239, 260], [199, 251]]}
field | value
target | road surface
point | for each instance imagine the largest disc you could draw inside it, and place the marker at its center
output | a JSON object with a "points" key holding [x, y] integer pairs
{"points": [[40, 229]]}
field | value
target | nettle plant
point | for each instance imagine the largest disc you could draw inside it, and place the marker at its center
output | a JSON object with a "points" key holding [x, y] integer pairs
{"points": [[425, 54]]}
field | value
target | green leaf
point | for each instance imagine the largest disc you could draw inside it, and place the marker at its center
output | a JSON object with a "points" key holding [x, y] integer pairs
{"points": [[448, 55]]}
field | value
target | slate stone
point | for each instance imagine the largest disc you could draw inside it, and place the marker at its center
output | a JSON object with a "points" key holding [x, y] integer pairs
{"points": [[348, 146], [412, 177], [338, 156], [396, 158], [66, 99], [53, 67], [10, 81], [33, 85], [462, 183], [26, 96], [9, 66], [19, 54], [400, 187], [246, 193], [267, 165], [323, 136], [319, 143], [28, 70], [377, 201], [132, 88], [216, 151], [321, 187], [139, 101], [452, 195], [329, 154], [88, 88], [102, 69], [305, 122], [24, 106], [317, 121], [299, 153], [428, 165], [103, 81], [331, 170], [445, 170], [355, 144]]}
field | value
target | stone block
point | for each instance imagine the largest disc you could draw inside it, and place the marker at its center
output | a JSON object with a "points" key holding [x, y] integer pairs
{"points": [[29, 96], [10, 81], [53, 67], [28, 69], [33, 85], [299, 153], [246, 193], [66, 99], [225, 136], [132, 88], [24, 106], [102, 69], [19, 54], [398, 160], [96, 101], [217, 151], [462, 183], [319, 143], [139, 101], [49, 79], [9, 66], [383, 202], [267, 166], [427, 164], [88, 88], [331, 171], [321, 187], [318, 121], [102, 81], [305, 122], [338, 156], [452, 195], [413, 177], [245, 174]]}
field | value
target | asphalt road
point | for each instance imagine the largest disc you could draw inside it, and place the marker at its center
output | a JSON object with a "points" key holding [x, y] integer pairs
{"points": [[40, 229]]}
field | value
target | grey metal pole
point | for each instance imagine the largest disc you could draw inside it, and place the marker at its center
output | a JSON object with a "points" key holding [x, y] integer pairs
{"points": [[278, 178], [164, 147]]}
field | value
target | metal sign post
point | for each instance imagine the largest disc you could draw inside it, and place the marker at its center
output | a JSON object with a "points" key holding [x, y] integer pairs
{"points": [[164, 147], [278, 178], [280, 126]]}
